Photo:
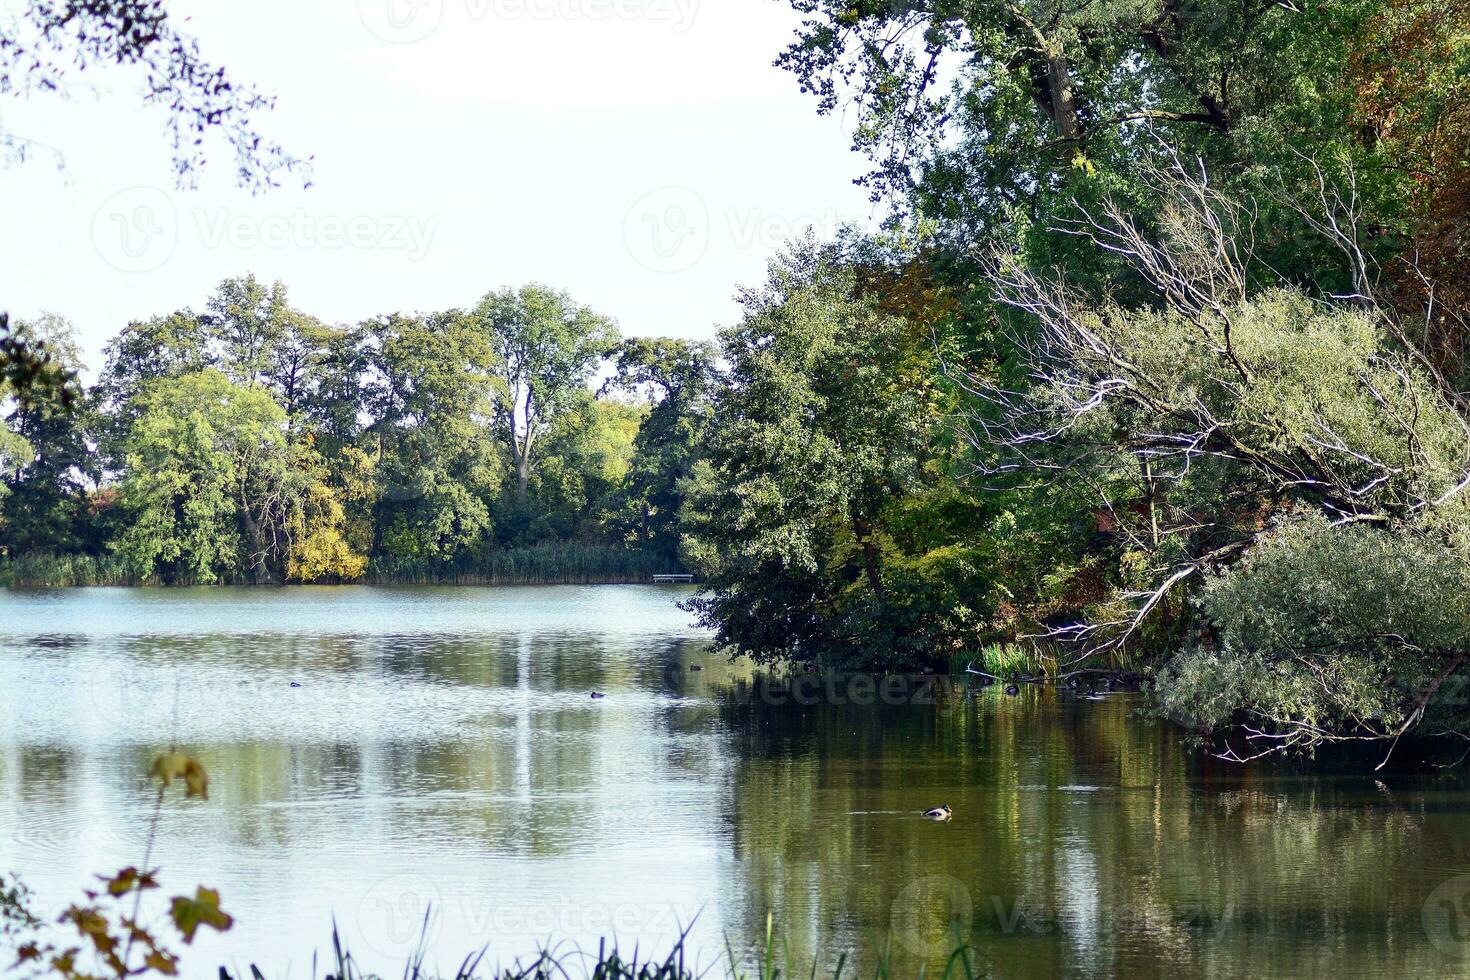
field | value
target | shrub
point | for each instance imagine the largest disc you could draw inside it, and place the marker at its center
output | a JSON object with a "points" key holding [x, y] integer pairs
{"points": [[1324, 633]]}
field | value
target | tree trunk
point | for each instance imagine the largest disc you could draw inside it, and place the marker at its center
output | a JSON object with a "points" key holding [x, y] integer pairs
{"points": [[1063, 97], [261, 569], [1053, 77], [862, 530]]}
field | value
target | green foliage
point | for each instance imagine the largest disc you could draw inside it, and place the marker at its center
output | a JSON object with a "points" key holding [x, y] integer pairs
{"points": [[1325, 632], [679, 378], [1284, 334], [252, 443], [201, 452], [47, 571], [546, 349], [825, 422], [44, 457], [428, 397], [999, 660]]}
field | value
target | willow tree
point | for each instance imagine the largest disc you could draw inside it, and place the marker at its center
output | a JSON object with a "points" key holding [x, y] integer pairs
{"points": [[1297, 455]]}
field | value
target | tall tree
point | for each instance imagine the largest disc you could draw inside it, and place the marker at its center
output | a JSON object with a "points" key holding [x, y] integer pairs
{"points": [[429, 396], [216, 491], [547, 348], [249, 323], [46, 491], [825, 420], [679, 378], [143, 352]]}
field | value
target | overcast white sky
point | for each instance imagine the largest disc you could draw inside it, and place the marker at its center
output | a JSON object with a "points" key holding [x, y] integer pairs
{"points": [[643, 154]]}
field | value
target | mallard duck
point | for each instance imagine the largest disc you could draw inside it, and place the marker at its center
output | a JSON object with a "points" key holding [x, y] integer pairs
{"points": [[1012, 690], [598, 695], [939, 813]]}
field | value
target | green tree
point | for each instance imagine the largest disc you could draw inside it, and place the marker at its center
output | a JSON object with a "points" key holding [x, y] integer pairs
{"points": [[585, 465], [197, 458], [215, 491], [430, 398], [679, 378], [143, 352], [51, 461], [826, 419], [547, 348], [249, 323]]}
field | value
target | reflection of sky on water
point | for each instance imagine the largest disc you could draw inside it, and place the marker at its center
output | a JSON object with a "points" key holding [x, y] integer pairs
{"points": [[443, 749]]}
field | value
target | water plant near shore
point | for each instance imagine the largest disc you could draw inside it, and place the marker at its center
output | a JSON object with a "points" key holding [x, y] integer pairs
{"points": [[771, 961]]}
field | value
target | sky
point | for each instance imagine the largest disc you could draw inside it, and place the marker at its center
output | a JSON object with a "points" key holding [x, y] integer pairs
{"points": [[642, 154]]}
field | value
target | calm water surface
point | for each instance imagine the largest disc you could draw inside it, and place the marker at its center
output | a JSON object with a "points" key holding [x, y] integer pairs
{"points": [[443, 749]]}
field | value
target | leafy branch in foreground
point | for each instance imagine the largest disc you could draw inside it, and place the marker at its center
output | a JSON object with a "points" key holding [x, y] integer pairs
{"points": [[55, 40], [108, 923], [29, 371]]}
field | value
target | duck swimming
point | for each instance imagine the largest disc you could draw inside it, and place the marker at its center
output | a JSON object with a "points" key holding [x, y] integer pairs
{"points": [[940, 813], [598, 695]]}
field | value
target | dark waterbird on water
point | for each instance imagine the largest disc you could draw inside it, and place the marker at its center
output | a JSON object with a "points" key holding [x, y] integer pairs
{"points": [[940, 813], [598, 695], [1012, 690]]}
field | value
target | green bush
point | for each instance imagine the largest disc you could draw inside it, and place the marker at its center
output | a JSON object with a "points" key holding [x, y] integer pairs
{"points": [[1328, 632]]}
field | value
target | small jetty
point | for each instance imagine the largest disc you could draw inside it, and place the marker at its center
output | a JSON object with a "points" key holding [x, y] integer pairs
{"points": [[673, 579]]}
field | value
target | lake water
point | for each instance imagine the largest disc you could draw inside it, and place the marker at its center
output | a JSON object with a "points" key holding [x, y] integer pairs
{"points": [[443, 749]]}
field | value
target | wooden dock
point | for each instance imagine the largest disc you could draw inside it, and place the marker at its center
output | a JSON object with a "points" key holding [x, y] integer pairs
{"points": [[673, 579]]}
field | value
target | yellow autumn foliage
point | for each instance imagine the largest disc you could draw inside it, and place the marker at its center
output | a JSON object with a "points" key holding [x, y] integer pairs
{"points": [[319, 550]]}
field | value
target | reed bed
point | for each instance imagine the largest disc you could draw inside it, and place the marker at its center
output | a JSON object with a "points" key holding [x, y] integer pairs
{"points": [[562, 563], [772, 962]]}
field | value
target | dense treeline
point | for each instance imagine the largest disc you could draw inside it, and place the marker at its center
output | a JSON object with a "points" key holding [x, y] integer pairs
{"points": [[254, 443], [1158, 363]]}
